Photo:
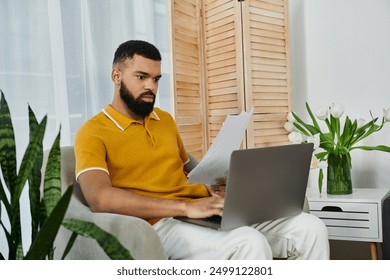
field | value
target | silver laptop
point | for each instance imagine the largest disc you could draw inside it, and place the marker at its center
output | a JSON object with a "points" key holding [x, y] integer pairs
{"points": [[263, 184]]}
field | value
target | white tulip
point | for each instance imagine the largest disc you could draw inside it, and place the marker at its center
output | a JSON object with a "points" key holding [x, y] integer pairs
{"points": [[337, 110], [295, 137], [289, 126], [386, 114], [315, 140], [315, 163], [322, 112], [361, 122], [290, 117]]}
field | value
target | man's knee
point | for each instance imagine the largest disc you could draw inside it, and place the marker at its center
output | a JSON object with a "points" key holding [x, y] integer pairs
{"points": [[250, 244], [315, 226]]}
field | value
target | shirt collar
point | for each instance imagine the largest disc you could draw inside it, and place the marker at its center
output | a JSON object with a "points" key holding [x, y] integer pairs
{"points": [[122, 121]]}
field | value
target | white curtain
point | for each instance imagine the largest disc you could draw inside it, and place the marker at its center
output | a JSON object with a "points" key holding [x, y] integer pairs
{"points": [[56, 56]]}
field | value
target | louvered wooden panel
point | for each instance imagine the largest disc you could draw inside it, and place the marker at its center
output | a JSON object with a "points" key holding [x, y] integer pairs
{"points": [[187, 74], [267, 77], [223, 62], [237, 56]]}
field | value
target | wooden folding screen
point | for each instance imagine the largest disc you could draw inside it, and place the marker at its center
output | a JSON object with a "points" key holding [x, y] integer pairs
{"points": [[267, 71], [187, 68], [223, 60], [243, 52]]}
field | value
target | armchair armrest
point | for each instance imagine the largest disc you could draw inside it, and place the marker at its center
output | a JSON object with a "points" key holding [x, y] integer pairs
{"points": [[137, 235]]}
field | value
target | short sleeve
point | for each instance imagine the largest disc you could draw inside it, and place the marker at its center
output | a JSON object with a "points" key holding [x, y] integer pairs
{"points": [[90, 151]]}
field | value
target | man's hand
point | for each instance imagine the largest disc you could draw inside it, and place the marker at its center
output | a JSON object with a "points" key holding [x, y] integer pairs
{"points": [[218, 187], [205, 207]]}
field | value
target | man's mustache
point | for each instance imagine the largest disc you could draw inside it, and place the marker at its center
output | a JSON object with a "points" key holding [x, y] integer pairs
{"points": [[148, 93]]}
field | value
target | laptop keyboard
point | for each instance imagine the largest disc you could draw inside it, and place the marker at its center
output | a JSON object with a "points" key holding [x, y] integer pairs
{"points": [[214, 219]]}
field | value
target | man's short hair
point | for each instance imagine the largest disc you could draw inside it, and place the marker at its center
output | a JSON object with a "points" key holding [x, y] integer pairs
{"points": [[128, 49]]}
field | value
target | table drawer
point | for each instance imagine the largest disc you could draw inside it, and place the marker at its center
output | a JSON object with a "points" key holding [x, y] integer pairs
{"points": [[348, 221]]}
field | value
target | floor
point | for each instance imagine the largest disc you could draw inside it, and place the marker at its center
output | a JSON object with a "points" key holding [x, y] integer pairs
{"points": [[350, 250]]}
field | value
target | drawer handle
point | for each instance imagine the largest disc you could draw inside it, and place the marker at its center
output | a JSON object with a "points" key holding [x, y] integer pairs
{"points": [[332, 209]]}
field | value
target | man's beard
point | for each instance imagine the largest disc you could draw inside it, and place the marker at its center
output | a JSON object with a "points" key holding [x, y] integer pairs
{"points": [[137, 106]]}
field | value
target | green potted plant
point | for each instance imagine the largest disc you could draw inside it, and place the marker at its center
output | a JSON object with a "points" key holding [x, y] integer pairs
{"points": [[334, 144], [47, 207]]}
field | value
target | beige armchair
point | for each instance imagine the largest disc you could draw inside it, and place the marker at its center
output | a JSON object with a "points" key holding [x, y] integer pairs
{"points": [[135, 234]]}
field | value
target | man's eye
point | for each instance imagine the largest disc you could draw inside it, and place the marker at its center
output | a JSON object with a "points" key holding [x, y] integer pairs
{"points": [[141, 77], [156, 80]]}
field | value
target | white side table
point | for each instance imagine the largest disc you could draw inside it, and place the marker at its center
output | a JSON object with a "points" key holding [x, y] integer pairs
{"points": [[353, 217]]}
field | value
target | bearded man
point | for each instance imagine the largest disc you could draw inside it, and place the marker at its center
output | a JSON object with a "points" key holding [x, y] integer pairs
{"points": [[130, 160]]}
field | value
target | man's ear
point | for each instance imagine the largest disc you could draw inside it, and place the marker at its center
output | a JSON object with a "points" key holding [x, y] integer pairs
{"points": [[116, 76]]}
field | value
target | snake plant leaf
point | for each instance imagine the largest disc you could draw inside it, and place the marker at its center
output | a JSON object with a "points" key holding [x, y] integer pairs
{"points": [[7, 145], [34, 148], [45, 238], [7, 234], [8, 170], [52, 181], [109, 243], [34, 179], [52, 184], [69, 246], [16, 232], [29, 159], [4, 199]]}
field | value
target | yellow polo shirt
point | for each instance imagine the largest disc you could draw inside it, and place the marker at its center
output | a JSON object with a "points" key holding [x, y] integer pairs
{"points": [[147, 158]]}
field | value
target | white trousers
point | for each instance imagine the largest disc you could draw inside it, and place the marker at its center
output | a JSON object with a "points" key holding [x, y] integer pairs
{"points": [[300, 237]]}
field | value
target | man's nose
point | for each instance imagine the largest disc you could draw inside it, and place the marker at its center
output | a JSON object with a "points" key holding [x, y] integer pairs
{"points": [[151, 85]]}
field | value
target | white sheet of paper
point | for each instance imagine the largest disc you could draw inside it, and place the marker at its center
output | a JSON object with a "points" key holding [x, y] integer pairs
{"points": [[215, 163]]}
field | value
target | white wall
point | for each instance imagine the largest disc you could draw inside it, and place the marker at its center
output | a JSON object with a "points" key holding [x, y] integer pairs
{"points": [[341, 54]]}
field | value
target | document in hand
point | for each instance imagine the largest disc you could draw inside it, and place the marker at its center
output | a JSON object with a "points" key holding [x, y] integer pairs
{"points": [[215, 163]]}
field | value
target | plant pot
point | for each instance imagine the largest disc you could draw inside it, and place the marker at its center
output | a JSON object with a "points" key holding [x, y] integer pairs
{"points": [[339, 174]]}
